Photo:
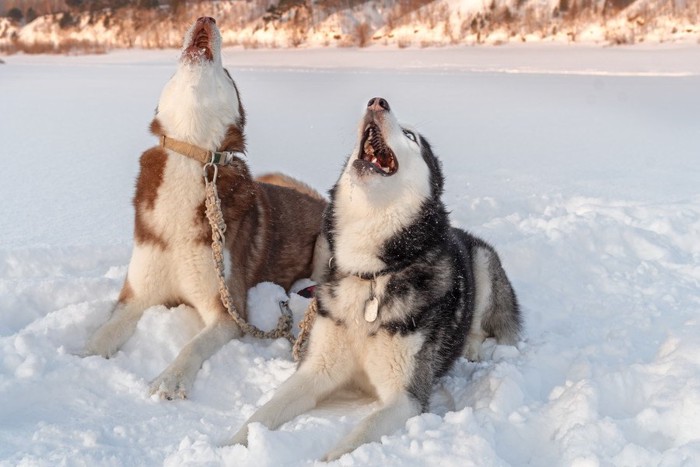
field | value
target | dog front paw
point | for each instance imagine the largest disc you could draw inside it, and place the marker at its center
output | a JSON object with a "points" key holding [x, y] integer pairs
{"points": [[335, 454], [472, 351], [352, 441], [473, 348], [168, 387], [99, 346], [241, 437], [345, 446]]}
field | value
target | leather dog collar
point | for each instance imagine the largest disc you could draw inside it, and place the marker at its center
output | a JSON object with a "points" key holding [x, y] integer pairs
{"points": [[197, 153]]}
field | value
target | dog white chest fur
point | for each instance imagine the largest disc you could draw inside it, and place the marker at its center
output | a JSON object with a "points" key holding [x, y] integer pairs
{"points": [[184, 269]]}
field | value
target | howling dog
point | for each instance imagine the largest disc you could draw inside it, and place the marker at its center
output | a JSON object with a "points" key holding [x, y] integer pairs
{"points": [[271, 230], [405, 294]]}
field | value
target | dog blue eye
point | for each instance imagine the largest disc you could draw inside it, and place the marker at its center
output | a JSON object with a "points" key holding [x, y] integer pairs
{"points": [[410, 135]]}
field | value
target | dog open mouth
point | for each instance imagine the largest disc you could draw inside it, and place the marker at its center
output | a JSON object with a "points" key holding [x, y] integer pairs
{"points": [[375, 153], [200, 46]]}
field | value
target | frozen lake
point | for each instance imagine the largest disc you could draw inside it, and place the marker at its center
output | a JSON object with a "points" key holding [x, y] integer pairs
{"points": [[581, 165]]}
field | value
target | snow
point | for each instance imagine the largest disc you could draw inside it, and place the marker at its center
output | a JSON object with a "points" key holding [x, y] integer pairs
{"points": [[579, 164]]}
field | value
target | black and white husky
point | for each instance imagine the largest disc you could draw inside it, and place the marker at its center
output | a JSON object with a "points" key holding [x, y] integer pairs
{"points": [[405, 294]]}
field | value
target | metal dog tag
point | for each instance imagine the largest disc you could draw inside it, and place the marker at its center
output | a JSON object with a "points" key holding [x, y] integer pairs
{"points": [[371, 309]]}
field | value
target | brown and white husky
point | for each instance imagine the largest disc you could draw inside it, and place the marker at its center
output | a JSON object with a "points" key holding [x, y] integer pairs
{"points": [[271, 229]]}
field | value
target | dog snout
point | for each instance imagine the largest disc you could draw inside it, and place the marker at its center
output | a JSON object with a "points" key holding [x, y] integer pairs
{"points": [[206, 19], [378, 104]]}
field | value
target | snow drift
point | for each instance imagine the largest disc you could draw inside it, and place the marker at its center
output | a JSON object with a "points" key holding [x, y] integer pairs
{"points": [[583, 174]]}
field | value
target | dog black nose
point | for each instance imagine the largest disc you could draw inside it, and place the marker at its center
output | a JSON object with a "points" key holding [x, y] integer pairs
{"points": [[378, 104], [207, 19]]}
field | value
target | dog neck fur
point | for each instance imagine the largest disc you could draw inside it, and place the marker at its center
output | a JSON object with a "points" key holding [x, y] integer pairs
{"points": [[370, 209], [200, 102]]}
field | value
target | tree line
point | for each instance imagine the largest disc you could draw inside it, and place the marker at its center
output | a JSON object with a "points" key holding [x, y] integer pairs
{"points": [[26, 11]]}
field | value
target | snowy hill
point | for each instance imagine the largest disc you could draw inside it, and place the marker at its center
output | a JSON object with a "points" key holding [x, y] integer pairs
{"points": [[579, 164], [402, 23]]}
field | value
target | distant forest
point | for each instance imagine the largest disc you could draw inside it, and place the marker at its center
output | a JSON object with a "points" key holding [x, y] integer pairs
{"points": [[27, 10], [98, 25]]}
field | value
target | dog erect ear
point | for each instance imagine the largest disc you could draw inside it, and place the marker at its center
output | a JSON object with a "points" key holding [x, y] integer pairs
{"points": [[437, 180], [234, 140], [156, 128]]}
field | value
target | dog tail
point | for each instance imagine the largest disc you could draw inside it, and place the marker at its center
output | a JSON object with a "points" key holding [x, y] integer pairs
{"points": [[501, 316], [276, 178]]}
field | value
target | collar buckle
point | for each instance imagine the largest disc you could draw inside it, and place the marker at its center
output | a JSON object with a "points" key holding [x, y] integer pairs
{"points": [[224, 157]]}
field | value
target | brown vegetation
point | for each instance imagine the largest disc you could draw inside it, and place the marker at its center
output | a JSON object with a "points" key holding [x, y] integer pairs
{"points": [[65, 47], [160, 23]]}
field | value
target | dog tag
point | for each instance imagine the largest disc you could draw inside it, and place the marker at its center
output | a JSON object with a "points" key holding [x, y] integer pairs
{"points": [[371, 309]]}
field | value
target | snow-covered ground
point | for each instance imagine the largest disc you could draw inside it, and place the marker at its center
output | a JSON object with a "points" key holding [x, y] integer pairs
{"points": [[581, 165]]}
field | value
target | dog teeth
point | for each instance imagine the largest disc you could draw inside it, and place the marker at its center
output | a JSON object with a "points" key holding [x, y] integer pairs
{"points": [[369, 149]]}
